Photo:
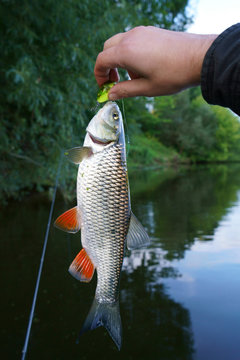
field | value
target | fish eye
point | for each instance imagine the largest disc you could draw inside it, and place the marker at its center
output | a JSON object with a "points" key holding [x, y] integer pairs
{"points": [[115, 116]]}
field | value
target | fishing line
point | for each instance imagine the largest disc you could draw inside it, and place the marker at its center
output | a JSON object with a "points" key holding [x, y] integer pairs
{"points": [[95, 107], [24, 351], [126, 126]]}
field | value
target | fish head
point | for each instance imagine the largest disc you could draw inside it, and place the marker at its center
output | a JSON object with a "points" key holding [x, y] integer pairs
{"points": [[105, 127]]}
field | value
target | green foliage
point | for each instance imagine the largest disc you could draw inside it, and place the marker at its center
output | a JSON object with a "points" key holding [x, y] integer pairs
{"points": [[227, 136], [48, 52], [148, 151], [199, 131]]}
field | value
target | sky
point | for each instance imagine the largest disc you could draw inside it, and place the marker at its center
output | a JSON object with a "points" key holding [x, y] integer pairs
{"points": [[214, 16]]}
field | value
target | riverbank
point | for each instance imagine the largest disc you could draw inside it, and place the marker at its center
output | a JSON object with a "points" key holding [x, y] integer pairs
{"points": [[144, 154], [144, 151]]}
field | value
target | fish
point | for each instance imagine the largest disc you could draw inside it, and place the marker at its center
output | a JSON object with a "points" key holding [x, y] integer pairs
{"points": [[104, 215]]}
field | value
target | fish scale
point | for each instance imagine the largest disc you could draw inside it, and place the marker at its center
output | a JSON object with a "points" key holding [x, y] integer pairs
{"points": [[103, 200]]}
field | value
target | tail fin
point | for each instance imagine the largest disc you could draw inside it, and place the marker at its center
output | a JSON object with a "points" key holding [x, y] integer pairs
{"points": [[107, 315]]}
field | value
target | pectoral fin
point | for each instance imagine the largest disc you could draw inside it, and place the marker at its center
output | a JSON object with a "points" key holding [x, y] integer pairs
{"points": [[77, 154], [82, 268], [137, 236], [70, 221]]}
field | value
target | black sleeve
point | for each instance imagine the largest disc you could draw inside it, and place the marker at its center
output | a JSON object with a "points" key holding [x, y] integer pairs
{"points": [[220, 78]]}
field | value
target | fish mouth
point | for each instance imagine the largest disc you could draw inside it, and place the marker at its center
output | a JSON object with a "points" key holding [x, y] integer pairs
{"points": [[98, 141]]}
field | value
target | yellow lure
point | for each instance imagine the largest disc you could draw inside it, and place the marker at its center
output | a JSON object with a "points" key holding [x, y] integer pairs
{"points": [[102, 95]]}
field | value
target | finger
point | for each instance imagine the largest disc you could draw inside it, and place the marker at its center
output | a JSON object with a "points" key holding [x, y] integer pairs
{"points": [[133, 75], [114, 40], [106, 61], [113, 75], [130, 88]]}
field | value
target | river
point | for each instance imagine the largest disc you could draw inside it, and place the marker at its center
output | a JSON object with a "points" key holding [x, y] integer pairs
{"points": [[179, 298]]}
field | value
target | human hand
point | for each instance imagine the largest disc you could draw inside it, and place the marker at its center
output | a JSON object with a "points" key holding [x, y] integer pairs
{"points": [[158, 61]]}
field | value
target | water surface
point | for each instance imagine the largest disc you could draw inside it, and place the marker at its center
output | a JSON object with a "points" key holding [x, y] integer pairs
{"points": [[179, 298]]}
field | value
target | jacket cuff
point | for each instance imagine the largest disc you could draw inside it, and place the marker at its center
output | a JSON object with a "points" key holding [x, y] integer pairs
{"points": [[220, 77]]}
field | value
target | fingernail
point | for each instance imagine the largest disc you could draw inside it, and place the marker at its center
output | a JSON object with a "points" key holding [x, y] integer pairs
{"points": [[112, 96]]}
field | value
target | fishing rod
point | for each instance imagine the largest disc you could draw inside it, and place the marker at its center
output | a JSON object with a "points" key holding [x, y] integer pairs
{"points": [[25, 347]]}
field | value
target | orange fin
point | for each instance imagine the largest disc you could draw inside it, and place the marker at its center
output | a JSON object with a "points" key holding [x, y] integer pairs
{"points": [[82, 268], [69, 221]]}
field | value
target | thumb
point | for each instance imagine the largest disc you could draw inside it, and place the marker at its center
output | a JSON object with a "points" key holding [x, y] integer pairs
{"points": [[129, 88]]}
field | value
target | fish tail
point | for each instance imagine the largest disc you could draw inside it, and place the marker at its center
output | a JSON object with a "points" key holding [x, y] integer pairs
{"points": [[107, 315]]}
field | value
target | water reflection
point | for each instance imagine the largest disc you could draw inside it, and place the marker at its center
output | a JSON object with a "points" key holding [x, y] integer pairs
{"points": [[178, 297], [196, 221], [187, 206], [157, 326]]}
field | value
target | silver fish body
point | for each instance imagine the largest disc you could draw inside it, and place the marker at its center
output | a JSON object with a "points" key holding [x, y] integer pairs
{"points": [[103, 213], [104, 203]]}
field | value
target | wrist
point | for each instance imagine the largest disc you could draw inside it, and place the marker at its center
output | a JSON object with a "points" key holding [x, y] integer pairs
{"points": [[201, 44]]}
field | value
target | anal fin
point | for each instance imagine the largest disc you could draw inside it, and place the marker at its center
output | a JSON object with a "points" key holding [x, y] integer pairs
{"points": [[69, 221], [82, 268], [137, 236]]}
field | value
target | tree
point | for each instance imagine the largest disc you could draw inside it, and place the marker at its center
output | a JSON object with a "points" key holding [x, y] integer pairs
{"points": [[227, 147], [191, 126], [47, 58]]}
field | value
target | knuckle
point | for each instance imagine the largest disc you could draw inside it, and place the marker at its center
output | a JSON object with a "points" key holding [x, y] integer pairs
{"points": [[98, 63], [138, 29], [105, 45], [99, 57]]}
